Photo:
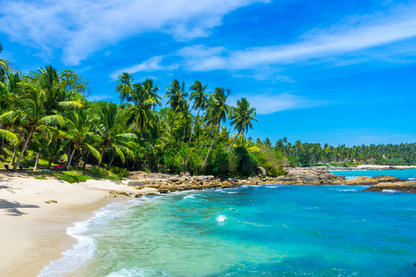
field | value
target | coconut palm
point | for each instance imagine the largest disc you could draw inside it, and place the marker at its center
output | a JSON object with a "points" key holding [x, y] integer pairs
{"points": [[177, 98], [57, 98], [79, 125], [241, 118], [200, 101], [29, 111], [111, 128], [218, 112], [124, 86], [151, 89]]}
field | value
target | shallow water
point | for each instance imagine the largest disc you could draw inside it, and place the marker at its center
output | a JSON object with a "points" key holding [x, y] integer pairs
{"points": [[275, 230], [352, 174]]}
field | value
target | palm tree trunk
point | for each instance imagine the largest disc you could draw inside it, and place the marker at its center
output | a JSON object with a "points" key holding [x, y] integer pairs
{"points": [[232, 143], [184, 132], [112, 159], [35, 168], [49, 164], [213, 140], [70, 159], [173, 122], [101, 153], [23, 149], [14, 156], [193, 127], [1, 146]]}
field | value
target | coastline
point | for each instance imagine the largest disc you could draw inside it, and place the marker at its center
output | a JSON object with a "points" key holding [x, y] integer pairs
{"points": [[32, 232]]}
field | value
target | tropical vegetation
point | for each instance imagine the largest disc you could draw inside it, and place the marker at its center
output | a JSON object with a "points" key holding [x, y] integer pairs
{"points": [[47, 120]]}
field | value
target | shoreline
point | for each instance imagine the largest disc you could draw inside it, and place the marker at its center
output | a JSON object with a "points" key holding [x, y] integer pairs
{"points": [[34, 233]]}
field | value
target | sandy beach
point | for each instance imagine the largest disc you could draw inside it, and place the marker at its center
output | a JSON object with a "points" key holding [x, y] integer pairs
{"points": [[32, 232]]}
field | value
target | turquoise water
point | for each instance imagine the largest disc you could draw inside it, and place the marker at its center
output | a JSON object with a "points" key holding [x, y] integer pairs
{"points": [[402, 174], [272, 230]]}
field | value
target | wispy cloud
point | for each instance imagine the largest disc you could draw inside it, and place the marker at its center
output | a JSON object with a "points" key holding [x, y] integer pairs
{"points": [[99, 97], [152, 64], [81, 27], [268, 103], [349, 37]]}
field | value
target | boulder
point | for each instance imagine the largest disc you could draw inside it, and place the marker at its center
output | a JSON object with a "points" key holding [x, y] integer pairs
{"points": [[173, 179], [135, 183]]}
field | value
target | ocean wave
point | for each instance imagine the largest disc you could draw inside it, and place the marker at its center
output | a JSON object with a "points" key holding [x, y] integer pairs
{"points": [[391, 191], [138, 272], [191, 196], [272, 187], [350, 177], [84, 249], [221, 218]]}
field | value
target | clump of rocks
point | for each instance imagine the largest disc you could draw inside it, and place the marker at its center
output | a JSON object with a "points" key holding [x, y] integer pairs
{"points": [[299, 176]]}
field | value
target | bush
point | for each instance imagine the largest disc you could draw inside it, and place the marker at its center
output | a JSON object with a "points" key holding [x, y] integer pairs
{"points": [[74, 178], [270, 160], [120, 172], [98, 172], [245, 164]]}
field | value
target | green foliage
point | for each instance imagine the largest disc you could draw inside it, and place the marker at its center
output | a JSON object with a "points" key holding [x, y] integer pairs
{"points": [[73, 178], [246, 165], [120, 172], [270, 160], [99, 172]]}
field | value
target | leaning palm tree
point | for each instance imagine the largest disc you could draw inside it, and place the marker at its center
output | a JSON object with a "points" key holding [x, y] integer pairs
{"points": [[218, 112], [177, 98], [111, 128], [241, 118], [200, 101], [29, 111], [79, 132]]}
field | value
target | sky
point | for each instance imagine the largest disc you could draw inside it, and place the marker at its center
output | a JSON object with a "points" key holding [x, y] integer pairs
{"points": [[317, 71]]}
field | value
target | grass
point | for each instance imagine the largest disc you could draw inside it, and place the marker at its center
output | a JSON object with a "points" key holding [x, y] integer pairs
{"points": [[41, 178]]}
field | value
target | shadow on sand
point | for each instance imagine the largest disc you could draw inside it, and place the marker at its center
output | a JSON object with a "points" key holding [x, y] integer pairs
{"points": [[12, 207]]}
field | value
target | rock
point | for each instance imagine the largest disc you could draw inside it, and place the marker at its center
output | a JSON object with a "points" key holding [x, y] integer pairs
{"points": [[173, 179], [262, 170], [135, 183], [184, 173]]}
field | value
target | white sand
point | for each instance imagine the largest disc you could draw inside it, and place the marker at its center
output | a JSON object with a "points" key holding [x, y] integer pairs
{"points": [[32, 232]]}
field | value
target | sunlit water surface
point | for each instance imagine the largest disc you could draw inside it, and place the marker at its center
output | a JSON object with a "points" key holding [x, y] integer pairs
{"points": [[271, 230]]}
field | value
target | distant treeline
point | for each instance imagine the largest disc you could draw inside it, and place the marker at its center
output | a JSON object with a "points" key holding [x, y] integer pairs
{"points": [[306, 154]]}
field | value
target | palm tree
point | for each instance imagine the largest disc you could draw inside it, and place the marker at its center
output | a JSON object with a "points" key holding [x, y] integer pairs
{"points": [[124, 86], [200, 101], [218, 111], [56, 95], [28, 109], [151, 89], [111, 128], [241, 118], [177, 95], [79, 124]]}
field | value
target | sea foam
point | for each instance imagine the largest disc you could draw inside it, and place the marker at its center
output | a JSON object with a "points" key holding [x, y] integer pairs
{"points": [[221, 218], [84, 249]]}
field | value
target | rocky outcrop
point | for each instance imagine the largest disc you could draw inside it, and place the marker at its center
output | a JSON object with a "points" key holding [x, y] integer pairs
{"points": [[311, 176], [318, 176], [405, 186]]}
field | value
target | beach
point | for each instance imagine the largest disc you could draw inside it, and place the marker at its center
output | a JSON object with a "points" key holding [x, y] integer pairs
{"points": [[33, 232]]}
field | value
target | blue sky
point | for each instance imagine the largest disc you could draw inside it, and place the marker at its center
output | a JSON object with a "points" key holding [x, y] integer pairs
{"points": [[316, 71]]}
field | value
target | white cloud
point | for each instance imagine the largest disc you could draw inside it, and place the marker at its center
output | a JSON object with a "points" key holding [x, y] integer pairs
{"points": [[268, 103], [355, 34], [152, 64], [99, 97], [81, 27]]}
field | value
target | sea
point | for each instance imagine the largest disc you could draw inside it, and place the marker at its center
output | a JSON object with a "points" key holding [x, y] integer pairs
{"points": [[268, 230]]}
